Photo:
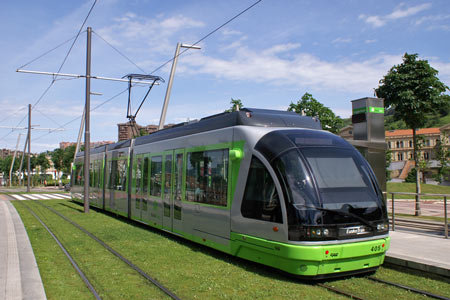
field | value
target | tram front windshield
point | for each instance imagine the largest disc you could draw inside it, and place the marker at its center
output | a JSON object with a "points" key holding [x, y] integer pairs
{"points": [[341, 177]]}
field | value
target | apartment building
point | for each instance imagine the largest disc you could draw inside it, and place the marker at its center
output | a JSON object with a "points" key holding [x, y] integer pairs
{"points": [[400, 144]]}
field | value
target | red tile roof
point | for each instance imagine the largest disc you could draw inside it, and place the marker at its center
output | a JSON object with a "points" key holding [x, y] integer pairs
{"points": [[403, 132]]}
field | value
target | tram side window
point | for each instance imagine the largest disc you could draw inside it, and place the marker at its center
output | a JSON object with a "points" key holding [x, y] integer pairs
{"points": [[207, 177], [156, 176], [138, 176], [98, 173], [91, 175], [261, 199], [145, 177], [121, 176], [112, 170]]}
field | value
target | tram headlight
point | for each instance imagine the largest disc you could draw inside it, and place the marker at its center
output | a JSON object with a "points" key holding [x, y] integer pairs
{"points": [[382, 227], [319, 232]]}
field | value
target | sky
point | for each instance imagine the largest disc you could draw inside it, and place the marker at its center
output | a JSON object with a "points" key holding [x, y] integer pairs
{"points": [[268, 57]]}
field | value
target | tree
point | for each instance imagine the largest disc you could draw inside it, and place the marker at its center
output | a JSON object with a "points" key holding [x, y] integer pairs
{"points": [[68, 155], [43, 162], [5, 166], [413, 89], [309, 106], [235, 103], [57, 158], [388, 155], [443, 155]]}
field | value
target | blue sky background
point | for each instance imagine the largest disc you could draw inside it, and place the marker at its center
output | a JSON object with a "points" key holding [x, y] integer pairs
{"points": [[268, 57]]}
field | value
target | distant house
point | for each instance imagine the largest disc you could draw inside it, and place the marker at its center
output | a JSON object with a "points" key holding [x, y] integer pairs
{"points": [[131, 130], [400, 143]]}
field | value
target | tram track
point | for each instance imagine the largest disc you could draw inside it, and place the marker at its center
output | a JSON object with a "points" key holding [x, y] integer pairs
{"points": [[104, 245], [339, 291], [69, 257], [408, 288], [325, 285], [350, 295]]}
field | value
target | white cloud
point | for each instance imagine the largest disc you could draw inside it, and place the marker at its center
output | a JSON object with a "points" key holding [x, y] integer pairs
{"points": [[370, 41], [154, 32], [341, 40], [299, 70], [432, 19], [228, 32], [400, 12], [375, 21], [281, 48]]}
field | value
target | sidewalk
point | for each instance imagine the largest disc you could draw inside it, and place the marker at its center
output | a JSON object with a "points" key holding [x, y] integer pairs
{"points": [[19, 273], [420, 251]]}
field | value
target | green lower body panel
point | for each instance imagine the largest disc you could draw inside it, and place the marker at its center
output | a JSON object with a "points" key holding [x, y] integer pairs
{"points": [[312, 260]]}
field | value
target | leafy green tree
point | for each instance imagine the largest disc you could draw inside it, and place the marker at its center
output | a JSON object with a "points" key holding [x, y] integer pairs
{"points": [[411, 178], [5, 165], [413, 89], [234, 105], [69, 152], [443, 155], [388, 154], [57, 157], [309, 106], [43, 163]]}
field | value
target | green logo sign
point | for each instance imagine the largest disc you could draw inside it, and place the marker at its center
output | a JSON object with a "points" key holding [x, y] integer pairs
{"points": [[370, 109]]}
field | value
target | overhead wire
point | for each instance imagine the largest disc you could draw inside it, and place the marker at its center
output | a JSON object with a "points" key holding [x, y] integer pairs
{"points": [[120, 53], [61, 66], [158, 68], [77, 118], [65, 58], [79, 32], [208, 35], [33, 60], [45, 115], [47, 52], [14, 113]]}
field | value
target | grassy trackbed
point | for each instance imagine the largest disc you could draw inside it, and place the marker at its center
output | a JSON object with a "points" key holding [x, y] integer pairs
{"points": [[191, 271]]}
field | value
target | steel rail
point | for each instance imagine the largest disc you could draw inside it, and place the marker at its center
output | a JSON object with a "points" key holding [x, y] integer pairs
{"points": [[117, 254], [414, 290], [72, 261], [339, 291]]}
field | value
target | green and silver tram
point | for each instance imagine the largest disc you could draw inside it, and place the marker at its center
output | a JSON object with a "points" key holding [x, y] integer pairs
{"points": [[267, 186]]}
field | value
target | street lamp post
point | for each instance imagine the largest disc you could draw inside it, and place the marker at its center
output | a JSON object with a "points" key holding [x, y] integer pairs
{"points": [[169, 84]]}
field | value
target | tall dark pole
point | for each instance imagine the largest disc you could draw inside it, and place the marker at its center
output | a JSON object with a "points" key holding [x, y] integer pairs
{"points": [[29, 148], [87, 134]]}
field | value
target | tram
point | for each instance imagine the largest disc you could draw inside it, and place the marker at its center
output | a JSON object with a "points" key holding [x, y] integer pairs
{"points": [[264, 185]]}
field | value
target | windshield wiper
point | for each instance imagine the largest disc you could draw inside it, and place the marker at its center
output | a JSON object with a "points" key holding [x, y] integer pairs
{"points": [[343, 213], [346, 213]]}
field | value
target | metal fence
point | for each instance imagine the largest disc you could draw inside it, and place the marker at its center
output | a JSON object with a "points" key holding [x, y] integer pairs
{"points": [[443, 196]]}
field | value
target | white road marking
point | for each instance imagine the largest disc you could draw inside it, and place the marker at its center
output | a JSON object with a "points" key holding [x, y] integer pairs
{"points": [[29, 196]]}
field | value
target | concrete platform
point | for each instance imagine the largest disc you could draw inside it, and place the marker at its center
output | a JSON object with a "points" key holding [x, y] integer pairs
{"points": [[429, 253], [19, 273]]}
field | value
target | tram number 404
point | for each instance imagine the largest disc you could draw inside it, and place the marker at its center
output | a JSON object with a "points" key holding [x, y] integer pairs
{"points": [[376, 248]]}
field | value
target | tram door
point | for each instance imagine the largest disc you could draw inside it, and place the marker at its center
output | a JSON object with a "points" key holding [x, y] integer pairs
{"points": [[173, 185]]}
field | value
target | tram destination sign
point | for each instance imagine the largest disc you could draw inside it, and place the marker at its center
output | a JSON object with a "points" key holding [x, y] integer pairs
{"points": [[354, 230]]}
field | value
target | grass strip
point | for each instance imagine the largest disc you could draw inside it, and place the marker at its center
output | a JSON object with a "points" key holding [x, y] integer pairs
{"points": [[111, 278], [58, 276], [406, 187], [424, 281], [191, 271]]}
